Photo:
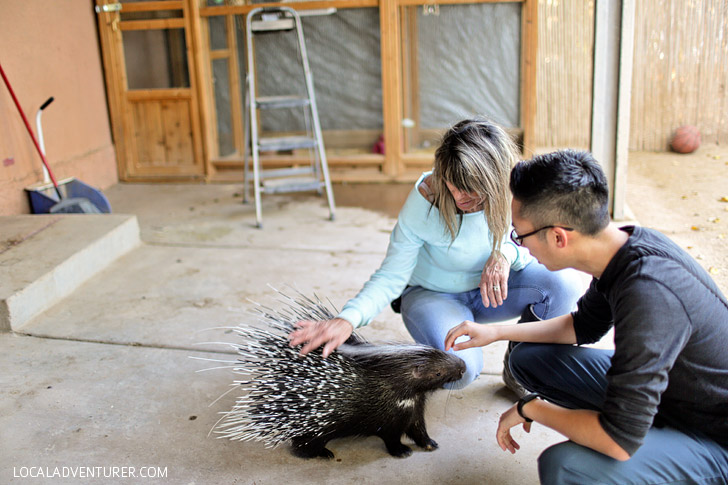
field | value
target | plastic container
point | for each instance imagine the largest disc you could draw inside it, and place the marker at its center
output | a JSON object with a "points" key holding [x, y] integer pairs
{"points": [[43, 196]]}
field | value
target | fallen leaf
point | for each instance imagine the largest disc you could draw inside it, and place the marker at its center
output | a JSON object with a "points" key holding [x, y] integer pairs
{"points": [[684, 197], [721, 236], [713, 270], [695, 228], [713, 219], [722, 199]]}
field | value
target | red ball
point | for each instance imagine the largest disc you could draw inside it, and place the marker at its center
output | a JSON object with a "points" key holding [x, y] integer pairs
{"points": [[686, 139]]}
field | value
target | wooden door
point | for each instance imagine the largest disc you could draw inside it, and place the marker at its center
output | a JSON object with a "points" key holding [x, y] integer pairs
{"points": [[151, 86]]}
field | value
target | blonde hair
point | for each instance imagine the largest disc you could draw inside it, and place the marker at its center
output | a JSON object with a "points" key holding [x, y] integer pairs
{"points": [[475, 156]]}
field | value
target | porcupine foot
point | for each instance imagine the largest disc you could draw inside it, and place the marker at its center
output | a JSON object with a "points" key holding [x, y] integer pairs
{"points": [[429, 445], [419, 435], [399, 450], [306, 448], [395, 446]]}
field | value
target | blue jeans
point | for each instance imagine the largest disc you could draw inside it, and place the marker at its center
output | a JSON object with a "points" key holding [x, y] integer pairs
{"points": [[574, 377], [429, 315]]}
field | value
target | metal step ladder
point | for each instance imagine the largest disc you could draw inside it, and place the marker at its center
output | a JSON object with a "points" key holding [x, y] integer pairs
{"points": [[294, 179]]}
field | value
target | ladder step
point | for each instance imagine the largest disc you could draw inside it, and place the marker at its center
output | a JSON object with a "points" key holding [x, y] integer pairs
{"points": [[299, 184], [272, 102], [273, 144], [273, 22], [285, 172]]}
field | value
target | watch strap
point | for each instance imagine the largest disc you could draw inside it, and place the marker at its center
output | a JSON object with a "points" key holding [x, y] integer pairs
{"points": [[523, 401]]}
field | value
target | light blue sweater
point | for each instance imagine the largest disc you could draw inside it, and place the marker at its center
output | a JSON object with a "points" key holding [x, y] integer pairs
{"points": [[420, 253]]}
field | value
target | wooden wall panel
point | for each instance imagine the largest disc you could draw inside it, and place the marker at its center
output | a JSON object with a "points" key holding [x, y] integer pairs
{"points": [[564, 73], [163, 136], [178, 144], [148, 135], [680, 71]]}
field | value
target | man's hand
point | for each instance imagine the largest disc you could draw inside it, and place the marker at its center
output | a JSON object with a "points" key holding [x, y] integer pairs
{"points": [[508, 420], [494, 280], [315, 333], [480, 335]]}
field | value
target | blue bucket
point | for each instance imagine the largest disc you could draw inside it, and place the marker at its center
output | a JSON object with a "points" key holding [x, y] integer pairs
{"points": [[43, 197]]}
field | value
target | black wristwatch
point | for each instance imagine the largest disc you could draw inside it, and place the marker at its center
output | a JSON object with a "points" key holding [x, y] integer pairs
{"points": [[523, 401]]}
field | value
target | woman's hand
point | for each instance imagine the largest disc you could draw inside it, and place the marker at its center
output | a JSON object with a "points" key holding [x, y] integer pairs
{"points": [[314, 333], [494, 280], [480, 335], [508, 420]]}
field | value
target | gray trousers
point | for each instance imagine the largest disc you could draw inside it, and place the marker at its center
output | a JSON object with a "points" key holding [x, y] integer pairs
{"points": [[574, 377]]}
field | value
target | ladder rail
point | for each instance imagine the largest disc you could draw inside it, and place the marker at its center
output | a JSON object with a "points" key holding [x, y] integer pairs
{"points": [[314, 113], [246, 140], [253, 126], [253, 142]]}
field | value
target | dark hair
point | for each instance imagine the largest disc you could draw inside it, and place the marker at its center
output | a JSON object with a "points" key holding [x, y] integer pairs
{"points": [[566, 187]]}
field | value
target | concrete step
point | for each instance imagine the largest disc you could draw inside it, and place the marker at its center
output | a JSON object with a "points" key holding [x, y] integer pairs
{"points": [[44, 258]]}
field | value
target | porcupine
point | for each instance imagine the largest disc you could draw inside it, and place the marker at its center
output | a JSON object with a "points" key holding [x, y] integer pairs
{"points": [[361, 389]]}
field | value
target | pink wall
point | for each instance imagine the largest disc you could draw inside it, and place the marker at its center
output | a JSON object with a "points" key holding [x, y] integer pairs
{"points": [[51, 48]]}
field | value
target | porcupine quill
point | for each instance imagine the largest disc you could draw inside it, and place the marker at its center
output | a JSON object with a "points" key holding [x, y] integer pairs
{"points": [[361, 389]]}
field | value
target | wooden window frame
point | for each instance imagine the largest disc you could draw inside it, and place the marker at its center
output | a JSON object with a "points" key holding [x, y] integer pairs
{"points": [[395, 164]]}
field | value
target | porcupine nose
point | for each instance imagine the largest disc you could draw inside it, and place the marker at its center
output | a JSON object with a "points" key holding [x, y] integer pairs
{"points": [[461, 368]]}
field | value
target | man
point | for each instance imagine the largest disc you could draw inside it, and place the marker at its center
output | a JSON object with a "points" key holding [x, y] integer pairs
{"points": [[654, 410]]}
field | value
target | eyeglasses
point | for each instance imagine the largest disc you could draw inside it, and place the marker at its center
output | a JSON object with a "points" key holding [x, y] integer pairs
{"points": [[519, 239]]}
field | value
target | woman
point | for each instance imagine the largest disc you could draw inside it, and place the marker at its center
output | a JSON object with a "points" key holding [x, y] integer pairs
{"points": [[450, 257]]}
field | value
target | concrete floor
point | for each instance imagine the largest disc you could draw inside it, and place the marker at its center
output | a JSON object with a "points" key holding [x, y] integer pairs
{"points": [[104, 377]]}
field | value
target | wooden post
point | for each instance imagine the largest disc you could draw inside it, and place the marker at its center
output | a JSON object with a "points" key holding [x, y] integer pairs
{"points": [[113, 72], [199, 64], [391, 84], [410, 77], [235, 85], [613, 46], [529, 48], [624, 103]]}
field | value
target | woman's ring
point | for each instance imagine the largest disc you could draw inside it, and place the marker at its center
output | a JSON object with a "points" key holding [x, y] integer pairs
{"points": [[496, 287]]}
